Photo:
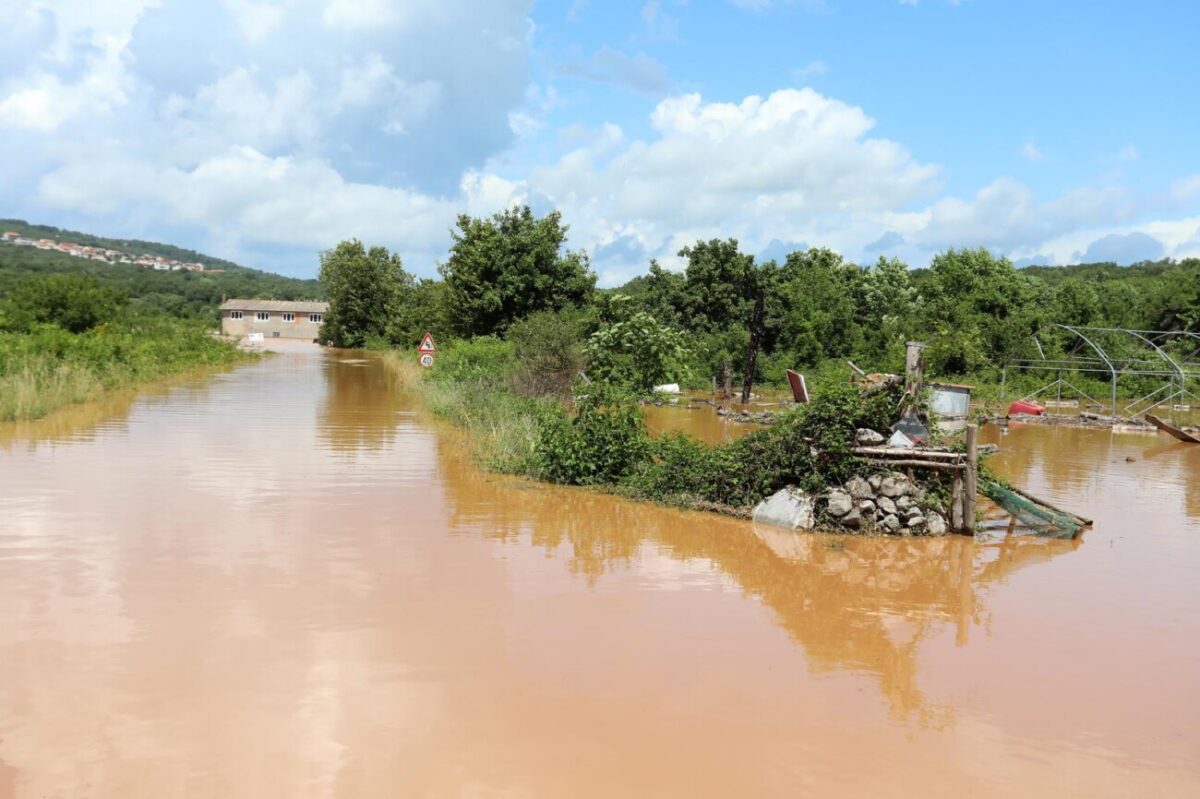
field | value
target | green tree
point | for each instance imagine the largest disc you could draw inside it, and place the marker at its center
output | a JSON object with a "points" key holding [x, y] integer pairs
{"points": [[823, 295], [979, 311], [365, 288], [76, 303], [717, 290], [637, 350], [504, 268], [887, 300]]}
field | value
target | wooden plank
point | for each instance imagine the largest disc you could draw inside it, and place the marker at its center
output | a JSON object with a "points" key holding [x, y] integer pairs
{"points": [[1171, 431], [958, 467], [908, 452]]}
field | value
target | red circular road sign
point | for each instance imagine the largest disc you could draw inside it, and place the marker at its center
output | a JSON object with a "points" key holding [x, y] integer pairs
{"points": [[426, 359]]}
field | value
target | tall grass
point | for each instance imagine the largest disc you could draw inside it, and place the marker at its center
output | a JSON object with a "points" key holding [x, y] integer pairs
{"points": [[504, 426], [43, 384], [47, 367]]}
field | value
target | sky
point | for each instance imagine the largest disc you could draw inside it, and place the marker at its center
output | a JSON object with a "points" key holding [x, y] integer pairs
{"points": [[266, 131]]}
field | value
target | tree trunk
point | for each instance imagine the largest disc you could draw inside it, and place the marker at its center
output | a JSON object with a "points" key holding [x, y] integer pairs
{"points": [[756, 337]]}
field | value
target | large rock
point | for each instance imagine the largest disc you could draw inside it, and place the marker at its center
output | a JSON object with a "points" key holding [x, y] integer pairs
{"points": [[788, 508], [895, 486], [886, 505], [890, 523], [903, 503], [860, 488], [868, 438], [840, 503], [935, 524], [852, 520], [867, 507], [875, 481]]}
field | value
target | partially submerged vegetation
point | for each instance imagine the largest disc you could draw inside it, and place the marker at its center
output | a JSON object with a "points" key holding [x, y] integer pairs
{"points": [[68, 338], [598, 438]]}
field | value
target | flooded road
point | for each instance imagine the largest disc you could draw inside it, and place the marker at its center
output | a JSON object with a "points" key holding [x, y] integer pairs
{"points": [[284, 581]]}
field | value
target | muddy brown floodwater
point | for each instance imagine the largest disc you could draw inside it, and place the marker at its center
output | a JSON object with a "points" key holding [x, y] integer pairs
{"points": [[284, 581]]}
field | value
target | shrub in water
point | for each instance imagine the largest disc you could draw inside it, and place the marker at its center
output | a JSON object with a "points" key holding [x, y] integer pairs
{"points": [[602, 443]]}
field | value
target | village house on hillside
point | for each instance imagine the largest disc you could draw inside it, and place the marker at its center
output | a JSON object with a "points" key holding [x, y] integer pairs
{"points": [[273, 318]]}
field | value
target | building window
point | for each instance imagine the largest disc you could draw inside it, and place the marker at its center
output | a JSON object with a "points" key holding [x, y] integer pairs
{"points": [[262, 316], [235, 314], [289, 317], [315, 318]]}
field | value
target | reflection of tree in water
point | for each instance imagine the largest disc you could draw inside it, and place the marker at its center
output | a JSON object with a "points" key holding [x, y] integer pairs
{"points": [[857, 604], [362, 404]]}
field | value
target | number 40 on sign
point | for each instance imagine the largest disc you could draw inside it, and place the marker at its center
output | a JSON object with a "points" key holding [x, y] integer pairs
{"points": [[427, 349]]}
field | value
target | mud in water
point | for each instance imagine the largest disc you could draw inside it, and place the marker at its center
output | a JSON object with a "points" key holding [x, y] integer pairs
{"points": [[285, 581]]}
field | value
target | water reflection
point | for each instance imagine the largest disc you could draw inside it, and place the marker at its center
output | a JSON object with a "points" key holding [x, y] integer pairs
{"points": [[284, 583], [361, 407], [863, 605]]}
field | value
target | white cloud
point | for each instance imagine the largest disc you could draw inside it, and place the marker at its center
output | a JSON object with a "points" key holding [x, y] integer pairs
{"points": [[354, 15], [258, 20], [1030, 150], [308, 121], [817, 67]]}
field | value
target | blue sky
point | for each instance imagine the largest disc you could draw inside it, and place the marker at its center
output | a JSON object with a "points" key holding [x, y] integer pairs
{"points": [[267, 130]]}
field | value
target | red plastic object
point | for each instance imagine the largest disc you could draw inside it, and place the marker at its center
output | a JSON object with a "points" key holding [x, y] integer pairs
{"points": [[1026, 407]]}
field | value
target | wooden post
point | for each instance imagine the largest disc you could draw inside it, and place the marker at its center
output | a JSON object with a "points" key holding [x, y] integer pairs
{"points": [[971, 479], [914, 369], [726, 382], [956, 503]]}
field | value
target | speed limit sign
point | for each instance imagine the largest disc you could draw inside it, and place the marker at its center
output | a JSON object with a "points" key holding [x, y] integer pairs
{"points": [[426, 359]]}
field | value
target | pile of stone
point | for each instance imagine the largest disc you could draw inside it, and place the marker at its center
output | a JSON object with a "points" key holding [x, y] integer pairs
{"points": [[885, 502], [888, 502]]}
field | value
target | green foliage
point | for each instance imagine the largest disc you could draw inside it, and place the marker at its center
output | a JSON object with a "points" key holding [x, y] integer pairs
{"points": [[979, 311], [549, 349], [75, 303], [504, 268], [716, 289], [366, 288], [822, 294], [48, 366], [636, 350], [603, 442], [486, 360], [808, 447]]}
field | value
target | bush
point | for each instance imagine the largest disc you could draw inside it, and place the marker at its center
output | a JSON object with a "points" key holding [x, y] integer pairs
{"points": [[808, 447], [637, 351], [485, 360], [601, 444], [548, 346], [75, 303]]}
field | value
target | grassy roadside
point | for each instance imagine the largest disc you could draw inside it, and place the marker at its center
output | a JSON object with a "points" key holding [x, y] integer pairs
{"points": [[504, 427], [46, 367]]}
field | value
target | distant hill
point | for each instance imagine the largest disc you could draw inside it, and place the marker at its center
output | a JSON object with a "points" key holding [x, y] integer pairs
{"points": [[182, 293]]}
